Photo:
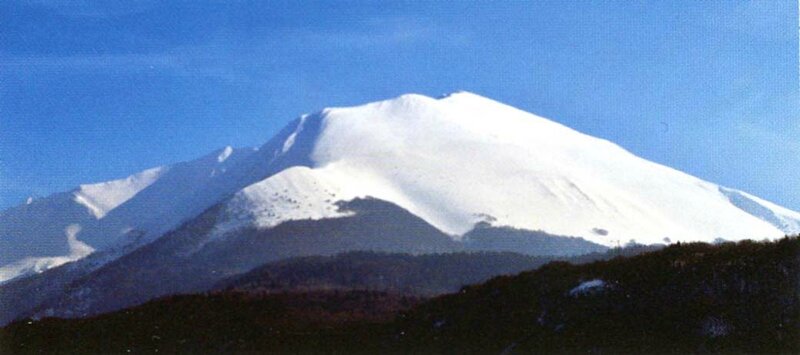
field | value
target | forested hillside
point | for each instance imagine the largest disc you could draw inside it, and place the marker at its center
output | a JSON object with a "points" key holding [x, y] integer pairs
{"points": [[685, 298]]}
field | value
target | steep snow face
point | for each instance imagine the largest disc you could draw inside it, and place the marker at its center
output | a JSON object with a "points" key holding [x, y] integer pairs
{"points": [[782, 218], [105, 196], [455, 160]]}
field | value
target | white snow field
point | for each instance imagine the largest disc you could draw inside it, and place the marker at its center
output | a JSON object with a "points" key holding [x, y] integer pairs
{"points": [[451, 161], [454, 160]]}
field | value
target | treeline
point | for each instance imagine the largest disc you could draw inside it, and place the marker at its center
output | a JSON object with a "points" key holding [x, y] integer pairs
{"points": [[685, 298], [425, 275], [422, 275], [319, 321]]}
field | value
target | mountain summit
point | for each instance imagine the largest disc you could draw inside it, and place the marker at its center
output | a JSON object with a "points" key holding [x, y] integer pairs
{"points": [[455, 162], [464, 159]]}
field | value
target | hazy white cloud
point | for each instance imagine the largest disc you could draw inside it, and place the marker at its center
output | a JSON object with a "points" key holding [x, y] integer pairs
{"points": [[384, 32], [184, 61], [762, 19], [784, 143], [131, 61], [93, 9], [772, 119], [236, 61]]}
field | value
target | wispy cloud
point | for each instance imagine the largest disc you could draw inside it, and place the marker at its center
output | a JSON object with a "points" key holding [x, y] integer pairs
{"points": [[387, 32], [782, 142], [93, 9], [772, 122], [234, 59], [762, 20], [185, 61], [130, 61]]}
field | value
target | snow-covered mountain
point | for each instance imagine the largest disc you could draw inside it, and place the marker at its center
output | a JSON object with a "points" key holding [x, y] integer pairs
{"points": [[63, 227], [461, 159], [452, 162], [42, 233]]}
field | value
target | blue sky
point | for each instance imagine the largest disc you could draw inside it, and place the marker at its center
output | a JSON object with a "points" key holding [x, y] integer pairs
{"points": [[92, 92]]}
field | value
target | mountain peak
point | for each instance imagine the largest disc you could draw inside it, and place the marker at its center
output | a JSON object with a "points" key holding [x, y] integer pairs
{"points": [[463, 94], [415, 99], [450, 161], [463, 155], [460, 96]]}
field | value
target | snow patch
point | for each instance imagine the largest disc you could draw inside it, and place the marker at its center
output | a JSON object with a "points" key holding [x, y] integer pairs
{"points": [[587, 287], [77, 249], [292, 137], [226, 152], [31, 265]]}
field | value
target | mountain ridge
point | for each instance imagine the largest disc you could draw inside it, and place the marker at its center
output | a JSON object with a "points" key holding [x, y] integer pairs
{"points": [[453, 161]]}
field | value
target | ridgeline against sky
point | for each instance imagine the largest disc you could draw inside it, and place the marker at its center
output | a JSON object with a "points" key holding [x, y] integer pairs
{"points": [[97, 92]]}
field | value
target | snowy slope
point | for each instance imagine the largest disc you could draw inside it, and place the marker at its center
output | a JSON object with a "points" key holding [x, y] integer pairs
{"points": [[42, 233], [293, 194], [103, 197], [780, 217], [30, 265], [463, 158], [116, 216], [64, 227], [453, 162], [181, 192]]}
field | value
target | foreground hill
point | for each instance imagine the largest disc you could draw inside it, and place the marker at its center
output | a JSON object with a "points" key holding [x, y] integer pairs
{"points": [[733, 297], [742, 297], [420, 275], [223, 323]]}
